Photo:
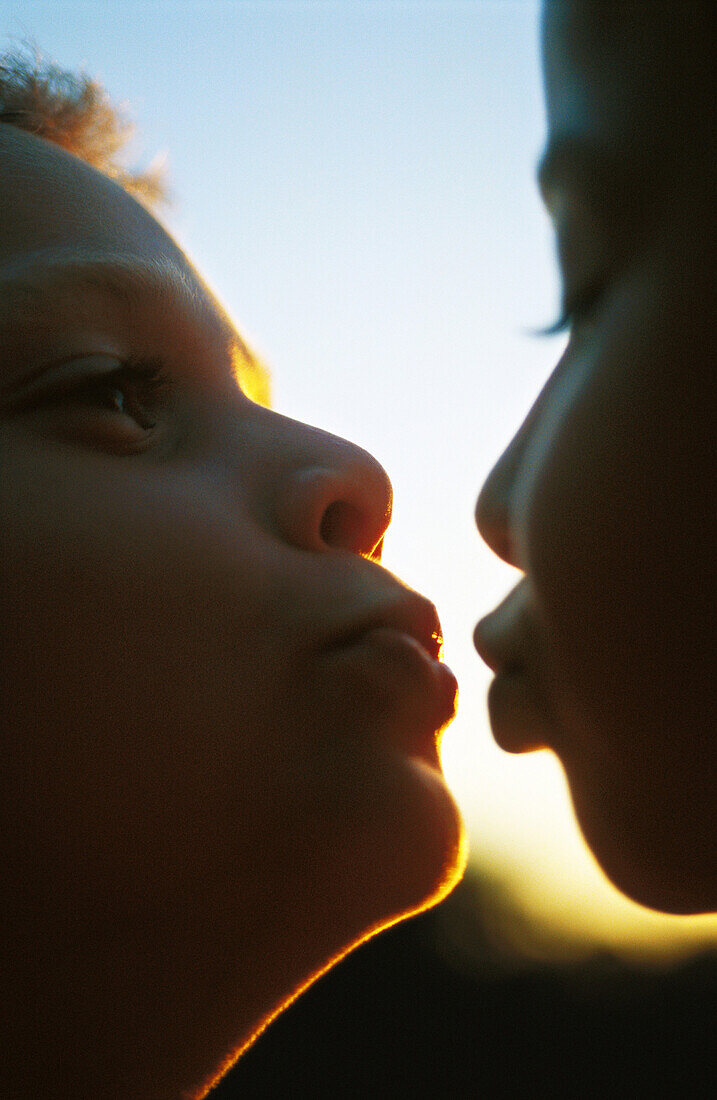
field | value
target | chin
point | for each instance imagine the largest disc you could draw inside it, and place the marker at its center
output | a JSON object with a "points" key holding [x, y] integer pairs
{"points": [[420, 852], [660, 885], [663, 894], [643, 857]]}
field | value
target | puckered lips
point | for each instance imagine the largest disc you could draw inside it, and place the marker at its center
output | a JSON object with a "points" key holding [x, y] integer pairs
{"points": [[396, 651], [412, 615], [506, 640]]}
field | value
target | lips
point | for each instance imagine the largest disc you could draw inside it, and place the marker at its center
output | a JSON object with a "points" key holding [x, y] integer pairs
{"points": [[485, 649], [508, 641], [505, 639], [499, 651], [392, 659], [413, 616]]}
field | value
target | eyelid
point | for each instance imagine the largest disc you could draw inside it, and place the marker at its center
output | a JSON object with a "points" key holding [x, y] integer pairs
{"points": [[560, 325], [78, 368], [575, 308], [80, 374]]}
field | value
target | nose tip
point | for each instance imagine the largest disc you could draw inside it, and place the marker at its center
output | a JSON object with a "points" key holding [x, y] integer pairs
{"points": [[492, 516], [338, 507]]}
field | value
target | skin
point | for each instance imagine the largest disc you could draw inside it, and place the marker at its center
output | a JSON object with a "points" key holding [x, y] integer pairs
{"points": [[207, 795], [604, 650]]}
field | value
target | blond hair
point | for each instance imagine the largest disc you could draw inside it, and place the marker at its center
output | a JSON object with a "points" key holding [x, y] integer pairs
{"points": [[73, 111]]}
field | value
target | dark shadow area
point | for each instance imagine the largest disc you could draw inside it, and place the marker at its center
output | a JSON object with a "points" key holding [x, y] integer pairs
{"points": [[435, 1007]]}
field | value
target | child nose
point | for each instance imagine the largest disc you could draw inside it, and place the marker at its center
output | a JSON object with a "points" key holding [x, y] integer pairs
{"points": [[343, 504]]}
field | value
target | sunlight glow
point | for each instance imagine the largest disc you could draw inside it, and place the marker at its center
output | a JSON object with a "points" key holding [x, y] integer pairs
{"points": [[452, 873], [524, 834], [252, 376], [519, 818], [358, 179]]}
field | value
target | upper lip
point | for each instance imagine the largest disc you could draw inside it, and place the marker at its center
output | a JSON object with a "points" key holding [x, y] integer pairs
{"points": [[488, 651], [505, 636], [413, 615]]}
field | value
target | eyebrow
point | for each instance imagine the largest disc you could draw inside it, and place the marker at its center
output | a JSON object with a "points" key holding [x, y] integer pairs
{"points": [[128, 281]]}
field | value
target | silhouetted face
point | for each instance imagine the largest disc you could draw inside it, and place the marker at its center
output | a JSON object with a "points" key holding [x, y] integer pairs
{"points": [[220, 714], [604, 499]]}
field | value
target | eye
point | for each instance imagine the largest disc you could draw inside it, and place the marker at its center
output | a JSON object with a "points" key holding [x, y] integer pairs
{"points": [[99, 401], [134, 389]]}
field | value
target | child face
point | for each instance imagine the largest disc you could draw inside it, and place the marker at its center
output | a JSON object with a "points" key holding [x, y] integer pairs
{"points": [[604, 649], [220, 713]]}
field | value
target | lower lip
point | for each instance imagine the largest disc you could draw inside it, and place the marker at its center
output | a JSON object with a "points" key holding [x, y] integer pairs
{"points": [[517, 716], [396, 662]]}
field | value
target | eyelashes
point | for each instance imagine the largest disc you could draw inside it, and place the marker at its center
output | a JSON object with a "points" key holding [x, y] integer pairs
{"points": [[101, 401], [575, 311], [564, 323], [135, 388]]}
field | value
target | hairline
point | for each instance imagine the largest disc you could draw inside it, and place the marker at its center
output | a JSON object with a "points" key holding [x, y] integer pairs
{"points": [[126, 279]]}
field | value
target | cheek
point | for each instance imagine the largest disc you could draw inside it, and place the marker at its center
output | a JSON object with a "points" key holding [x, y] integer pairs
{"points": [[602, 516], [175, 729], [611, 517], [650, 826], [136, 679]]}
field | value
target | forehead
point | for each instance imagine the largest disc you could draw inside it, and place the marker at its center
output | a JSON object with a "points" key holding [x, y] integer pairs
{"points": [[70, 234], [630, 70], [52, 199], [590, 84], [629, 88]]}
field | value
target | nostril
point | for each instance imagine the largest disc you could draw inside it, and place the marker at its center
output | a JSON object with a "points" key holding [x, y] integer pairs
{"points": [[343, 527], [319, 508]]}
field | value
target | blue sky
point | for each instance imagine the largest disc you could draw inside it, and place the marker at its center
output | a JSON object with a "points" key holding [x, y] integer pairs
{"points": [[355, 178]]}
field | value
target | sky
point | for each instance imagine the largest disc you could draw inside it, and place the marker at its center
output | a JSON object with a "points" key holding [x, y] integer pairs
{"points": [[356, 181]]}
